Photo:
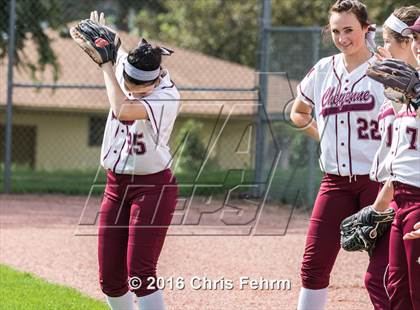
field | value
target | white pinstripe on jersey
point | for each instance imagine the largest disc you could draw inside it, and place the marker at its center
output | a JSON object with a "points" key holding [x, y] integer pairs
{"points": [[386, 117], [346, 110], [141, 147], [403, 160]]}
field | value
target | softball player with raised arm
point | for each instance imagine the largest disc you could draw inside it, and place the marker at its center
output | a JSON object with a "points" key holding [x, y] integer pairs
{"points": [[346, 105], [141, 192], [403, 185]]}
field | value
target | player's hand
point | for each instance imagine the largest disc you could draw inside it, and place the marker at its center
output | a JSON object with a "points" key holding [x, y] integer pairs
{"points": [[382, 53], [100, 19], [414, 234]]}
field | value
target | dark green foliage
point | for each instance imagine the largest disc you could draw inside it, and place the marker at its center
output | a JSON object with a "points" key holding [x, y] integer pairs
{"points": [[191, 151], [225, 29], [33, 17]]}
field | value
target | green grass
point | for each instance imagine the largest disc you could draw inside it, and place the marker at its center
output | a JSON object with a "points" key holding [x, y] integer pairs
{"points": [[19, 290], [73, 182], [77, 182], [284, 187]]}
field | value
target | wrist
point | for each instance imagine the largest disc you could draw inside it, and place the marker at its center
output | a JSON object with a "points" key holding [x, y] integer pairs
{"points": [[380, 206], [107, 66]]}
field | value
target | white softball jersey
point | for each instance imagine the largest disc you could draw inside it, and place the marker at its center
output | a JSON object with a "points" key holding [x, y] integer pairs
{"points": [[346, 111], [386, 118], [403, 160], [140, 147]]}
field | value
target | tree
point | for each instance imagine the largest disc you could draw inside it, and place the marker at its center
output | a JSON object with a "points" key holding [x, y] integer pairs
{"points": [[229, 29], [225, 29], [221, 28], [32, 18], [310, 13], [192, 149]]}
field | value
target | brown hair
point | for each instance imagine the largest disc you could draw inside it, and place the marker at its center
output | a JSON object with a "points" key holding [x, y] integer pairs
{"points": [[144, 57], [353, 6], [408, 15]]}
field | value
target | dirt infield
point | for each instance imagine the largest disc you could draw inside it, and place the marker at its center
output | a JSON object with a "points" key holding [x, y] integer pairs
{"points": [[40, 234]]}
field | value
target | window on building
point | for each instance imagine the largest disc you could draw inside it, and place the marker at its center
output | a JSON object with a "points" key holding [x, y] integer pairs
{"points": [[23, 145], [96, 130]]}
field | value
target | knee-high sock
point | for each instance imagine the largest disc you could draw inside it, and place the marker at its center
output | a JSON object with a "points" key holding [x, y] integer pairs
{"points": [[124, 302], [153, 301], [312, 299]]}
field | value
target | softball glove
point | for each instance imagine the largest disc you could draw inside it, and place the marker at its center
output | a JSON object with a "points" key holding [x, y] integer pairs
{"points": [[401, 81], [100, 42], [360, 231]]}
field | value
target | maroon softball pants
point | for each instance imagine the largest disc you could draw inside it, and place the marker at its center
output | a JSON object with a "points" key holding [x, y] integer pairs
{"points": [[134, 217], [338, 198], [404, 255]]}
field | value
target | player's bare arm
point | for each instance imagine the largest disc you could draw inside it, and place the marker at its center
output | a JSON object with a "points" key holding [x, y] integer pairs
{"points": [[117, 99], [102, 43], [384, 197], [301, 116]]}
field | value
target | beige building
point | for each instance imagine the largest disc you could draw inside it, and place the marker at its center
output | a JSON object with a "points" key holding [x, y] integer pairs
{"points": [[57, 128]]}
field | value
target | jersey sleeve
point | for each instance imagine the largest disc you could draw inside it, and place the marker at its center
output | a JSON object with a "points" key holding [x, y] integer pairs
{"points": [[121, 55], [306, 88], [162, 110]]}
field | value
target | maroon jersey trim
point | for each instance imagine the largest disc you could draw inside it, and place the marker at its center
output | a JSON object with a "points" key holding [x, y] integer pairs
{"points": [[407, 114], [153, 115], [354, 84], [349, 142], [336, 144], [107, 153], [119, 157], [377, 168], [385, 113], [170, 86], [306, 97]]}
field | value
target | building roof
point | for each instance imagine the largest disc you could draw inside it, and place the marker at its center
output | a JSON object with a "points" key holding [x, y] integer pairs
{"points": [[189, 69]]}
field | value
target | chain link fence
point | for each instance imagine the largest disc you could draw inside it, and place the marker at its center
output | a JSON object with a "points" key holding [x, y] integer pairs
{"points": [[291, 52], [59, 113]]}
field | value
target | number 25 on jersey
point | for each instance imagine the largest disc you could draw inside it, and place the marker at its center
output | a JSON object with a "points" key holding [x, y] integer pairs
{"points": [[135, 144]]}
